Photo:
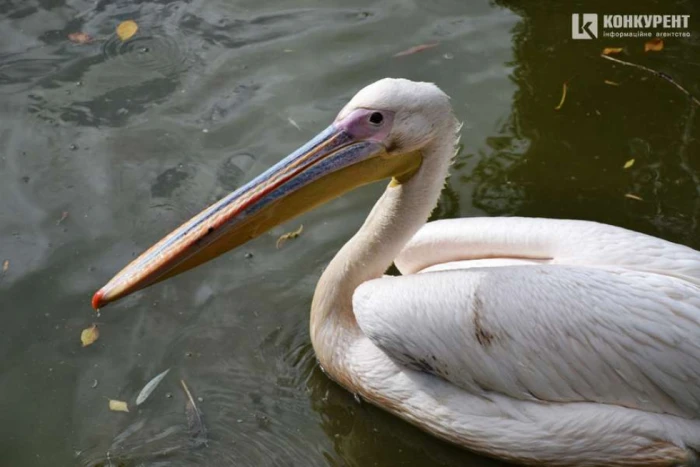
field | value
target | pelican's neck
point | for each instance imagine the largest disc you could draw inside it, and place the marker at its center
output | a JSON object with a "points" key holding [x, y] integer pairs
{"points": [[402, 210]]}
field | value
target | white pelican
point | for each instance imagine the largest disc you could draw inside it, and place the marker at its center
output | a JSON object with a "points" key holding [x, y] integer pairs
{"points": [[560, 342]]}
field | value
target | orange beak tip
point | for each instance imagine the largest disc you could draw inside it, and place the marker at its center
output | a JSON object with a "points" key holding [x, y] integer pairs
{"points": [[97, 300]]}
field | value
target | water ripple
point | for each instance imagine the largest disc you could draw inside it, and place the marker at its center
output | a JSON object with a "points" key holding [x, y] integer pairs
{"points": [[158, 52]]}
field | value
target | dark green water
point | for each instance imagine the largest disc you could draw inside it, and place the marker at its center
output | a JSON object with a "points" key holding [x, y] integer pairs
{"points": [[131, 139]]}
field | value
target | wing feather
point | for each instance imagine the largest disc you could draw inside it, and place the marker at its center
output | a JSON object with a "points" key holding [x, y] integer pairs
{"points": [[545, 332], [552, 241]]}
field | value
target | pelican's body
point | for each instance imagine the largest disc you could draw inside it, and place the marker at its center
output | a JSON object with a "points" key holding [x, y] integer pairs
{"points": [[535, 340]]}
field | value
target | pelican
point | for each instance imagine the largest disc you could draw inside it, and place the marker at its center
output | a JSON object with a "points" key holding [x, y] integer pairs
{"points": [[539, 341]]}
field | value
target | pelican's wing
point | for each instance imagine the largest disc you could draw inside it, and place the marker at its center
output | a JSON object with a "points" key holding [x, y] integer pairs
{"points": [[531, 240], [545, 332]]}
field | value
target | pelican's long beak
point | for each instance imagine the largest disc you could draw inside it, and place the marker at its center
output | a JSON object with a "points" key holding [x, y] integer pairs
{"points": [[332, 163]]}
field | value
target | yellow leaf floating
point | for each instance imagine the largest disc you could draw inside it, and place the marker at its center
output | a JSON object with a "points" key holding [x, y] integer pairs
{"points": [[5, 265], [118, 406], [634, 197], [629, 164], [611, 83], [127, 29], [654, 45], [563, 97], [612, 50], [89, 335], [289, 236]]}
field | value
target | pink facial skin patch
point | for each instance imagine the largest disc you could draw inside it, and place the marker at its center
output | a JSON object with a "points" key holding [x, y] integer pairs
{"points": [[367, 124]]}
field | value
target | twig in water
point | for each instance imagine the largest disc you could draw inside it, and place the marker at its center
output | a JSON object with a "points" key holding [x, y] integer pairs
{"points": [[198, 432], [655, 73], [563, 96]]}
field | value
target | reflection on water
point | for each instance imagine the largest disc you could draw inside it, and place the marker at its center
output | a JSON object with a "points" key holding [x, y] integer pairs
{"points": [[365, 435], [130, 139], [570, 163]]}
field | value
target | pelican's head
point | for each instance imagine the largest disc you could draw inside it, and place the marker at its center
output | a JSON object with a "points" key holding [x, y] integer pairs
{"points": [[379, 134], [411, 112]]}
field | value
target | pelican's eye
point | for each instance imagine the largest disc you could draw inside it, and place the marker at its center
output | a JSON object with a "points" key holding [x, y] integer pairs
{"points": [[376, 118], [367, 124]]}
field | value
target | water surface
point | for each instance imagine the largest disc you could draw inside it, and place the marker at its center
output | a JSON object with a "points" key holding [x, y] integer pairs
{"points": [[105, 147]]}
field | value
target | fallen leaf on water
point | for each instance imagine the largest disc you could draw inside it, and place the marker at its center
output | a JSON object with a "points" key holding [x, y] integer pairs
{"points": [[654, 45], [89, 335], [5, 265], [80, 38], [416, 49], [635, 197], [289, 236], [118, 406], [64, 216], [563, 97], [195, 424], [150, 387], [612, 50], [127, 29], [629, 164], [611, 83]]}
